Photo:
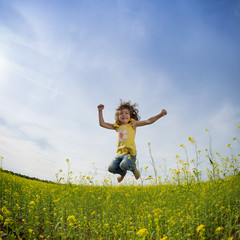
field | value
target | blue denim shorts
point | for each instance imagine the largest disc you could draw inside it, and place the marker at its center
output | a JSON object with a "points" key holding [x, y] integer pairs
{"points": [[122, 164]]}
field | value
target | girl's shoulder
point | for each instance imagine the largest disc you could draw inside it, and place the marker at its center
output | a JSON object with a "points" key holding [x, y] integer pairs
{"points": [[116, 125], [132, 121]]}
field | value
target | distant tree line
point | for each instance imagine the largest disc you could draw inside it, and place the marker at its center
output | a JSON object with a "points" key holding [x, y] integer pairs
{"points": [[27, 177]]}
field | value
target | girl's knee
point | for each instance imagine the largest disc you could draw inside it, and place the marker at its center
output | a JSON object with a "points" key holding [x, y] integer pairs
{"points": [[111, 169], [124, 166], [128, 163]]}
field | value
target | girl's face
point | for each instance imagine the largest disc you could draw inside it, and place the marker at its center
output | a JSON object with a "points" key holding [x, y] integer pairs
{"points": [[124, 116]]}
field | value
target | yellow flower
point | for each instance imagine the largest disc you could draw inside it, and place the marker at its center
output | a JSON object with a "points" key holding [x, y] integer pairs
{"points": [[142, 232], [181, 145], [70, 218], [7, 221], [200, 227], [32, 203], [219, 229], [228, 145], [234, 138], [67, 160], [5, 211], [238, 126], [206, 129], [164, 238], [191, 139]]}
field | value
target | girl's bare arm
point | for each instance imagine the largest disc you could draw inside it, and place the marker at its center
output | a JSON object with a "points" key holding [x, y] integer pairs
{"points": [[150, 120], [102, 123]]}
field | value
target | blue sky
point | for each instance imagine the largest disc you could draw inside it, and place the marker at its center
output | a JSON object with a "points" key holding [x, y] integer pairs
{"points": [[60, 59]]}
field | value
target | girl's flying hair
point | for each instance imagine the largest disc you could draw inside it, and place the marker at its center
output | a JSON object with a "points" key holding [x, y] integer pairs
{"points": [[131, 107]]}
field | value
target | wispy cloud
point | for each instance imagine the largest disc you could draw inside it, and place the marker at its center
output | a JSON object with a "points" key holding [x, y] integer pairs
{"points": [[31, 75]]}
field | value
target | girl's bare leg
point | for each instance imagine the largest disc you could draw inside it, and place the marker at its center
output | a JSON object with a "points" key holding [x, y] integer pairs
{"points": [[136, 174]]}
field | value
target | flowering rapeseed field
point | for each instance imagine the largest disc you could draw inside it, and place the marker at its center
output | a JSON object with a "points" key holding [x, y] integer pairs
{"points": [[181, 207], [37, 210]]}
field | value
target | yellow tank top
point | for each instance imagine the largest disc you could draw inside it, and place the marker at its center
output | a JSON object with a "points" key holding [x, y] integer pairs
{"points": [[126, 139]]}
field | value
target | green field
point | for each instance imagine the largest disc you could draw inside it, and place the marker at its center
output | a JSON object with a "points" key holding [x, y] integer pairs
{"points": [[179, 205], [33, 209]]}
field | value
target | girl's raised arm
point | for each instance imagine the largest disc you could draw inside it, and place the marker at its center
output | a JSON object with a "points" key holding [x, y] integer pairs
{"points": [[150, 120], [102, 123]]}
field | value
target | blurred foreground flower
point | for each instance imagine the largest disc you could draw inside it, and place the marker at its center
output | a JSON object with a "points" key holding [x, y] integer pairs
{"points": [[142, 232], [200, 228], [219, 229], [164, 238]]}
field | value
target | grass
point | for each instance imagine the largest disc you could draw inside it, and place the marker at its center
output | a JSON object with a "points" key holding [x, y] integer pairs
{"points": [[181, 206]]}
